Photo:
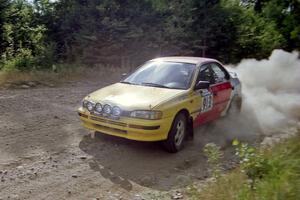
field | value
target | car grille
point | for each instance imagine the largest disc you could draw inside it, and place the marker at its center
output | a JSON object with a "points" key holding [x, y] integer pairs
{"points": [[108, 121]]}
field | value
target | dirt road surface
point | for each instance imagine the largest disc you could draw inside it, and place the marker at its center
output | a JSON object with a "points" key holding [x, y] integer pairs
{"points": [[46, 154]]}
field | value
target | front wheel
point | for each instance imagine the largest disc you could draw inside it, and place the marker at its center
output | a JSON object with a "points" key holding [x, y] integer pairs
{"points": [[177, 134]]}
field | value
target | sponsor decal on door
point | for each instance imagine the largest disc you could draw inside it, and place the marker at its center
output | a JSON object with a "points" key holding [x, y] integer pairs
{"points": [[207, 102]]}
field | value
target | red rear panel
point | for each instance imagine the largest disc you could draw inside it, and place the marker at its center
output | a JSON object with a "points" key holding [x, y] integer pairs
{"points": [[222, 93]]}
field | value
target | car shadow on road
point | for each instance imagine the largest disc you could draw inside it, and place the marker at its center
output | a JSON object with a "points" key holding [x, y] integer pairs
{"points": [[146, 163]]}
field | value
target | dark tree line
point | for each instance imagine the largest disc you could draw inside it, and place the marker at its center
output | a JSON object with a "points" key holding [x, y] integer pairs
{"points": [[36, 34]]}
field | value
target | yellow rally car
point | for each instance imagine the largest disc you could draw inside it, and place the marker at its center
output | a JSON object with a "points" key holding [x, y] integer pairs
{"points": [[163, 100]]}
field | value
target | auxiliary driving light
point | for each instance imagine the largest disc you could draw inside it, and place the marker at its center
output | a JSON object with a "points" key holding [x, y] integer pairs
{"points": [[116, 111], [107, 109], [98, 107], [89, 106]]}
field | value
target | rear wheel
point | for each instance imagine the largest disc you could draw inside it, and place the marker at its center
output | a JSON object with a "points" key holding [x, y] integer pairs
{"points": [[235, 106], [177, 134]]}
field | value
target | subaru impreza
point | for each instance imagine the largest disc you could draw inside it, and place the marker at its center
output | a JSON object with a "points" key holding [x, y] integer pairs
{"points": [[163, 100]]}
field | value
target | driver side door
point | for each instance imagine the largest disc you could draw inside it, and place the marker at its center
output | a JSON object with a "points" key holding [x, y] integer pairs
{"points": [[205, 111]]}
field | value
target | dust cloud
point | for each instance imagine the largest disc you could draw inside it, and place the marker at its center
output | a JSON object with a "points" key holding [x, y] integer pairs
{"points": [[271, 91]]}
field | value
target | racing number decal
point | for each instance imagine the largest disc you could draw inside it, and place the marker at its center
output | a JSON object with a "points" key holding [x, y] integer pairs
{"points": [[207, 102]]}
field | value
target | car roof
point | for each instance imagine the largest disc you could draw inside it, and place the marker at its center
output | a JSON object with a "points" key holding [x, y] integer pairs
{"points": [[185, 59]]}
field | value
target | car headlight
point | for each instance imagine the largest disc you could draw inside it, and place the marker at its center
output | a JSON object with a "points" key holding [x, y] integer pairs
{"points": [[146, 114], [116, 111], [98, 107]]}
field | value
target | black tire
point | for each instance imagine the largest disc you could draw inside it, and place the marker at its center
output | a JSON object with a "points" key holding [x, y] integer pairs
{"points": [[235, 106], [175, 140]]}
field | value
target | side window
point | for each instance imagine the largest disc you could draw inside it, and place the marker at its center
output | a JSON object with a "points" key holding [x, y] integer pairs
{"points": [[218, 73], [205, 74]]}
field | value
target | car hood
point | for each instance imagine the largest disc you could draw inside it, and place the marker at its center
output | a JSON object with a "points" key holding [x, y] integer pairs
{"points": [[133, 97]]}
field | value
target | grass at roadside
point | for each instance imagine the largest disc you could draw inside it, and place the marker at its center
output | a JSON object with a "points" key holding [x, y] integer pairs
{"points": [[61, 74], [281, 182]]}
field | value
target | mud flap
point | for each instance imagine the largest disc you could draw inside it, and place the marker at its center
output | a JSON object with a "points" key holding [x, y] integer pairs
{"points": [[190, 129]]}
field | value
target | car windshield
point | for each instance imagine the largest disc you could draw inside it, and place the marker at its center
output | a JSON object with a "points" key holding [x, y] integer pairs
{"points": [[172, 75]]}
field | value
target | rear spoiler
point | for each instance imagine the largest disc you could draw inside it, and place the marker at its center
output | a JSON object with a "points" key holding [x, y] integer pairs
{"points": [[233, 74]]}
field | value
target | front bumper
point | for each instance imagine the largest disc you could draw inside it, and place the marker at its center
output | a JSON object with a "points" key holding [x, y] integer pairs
{"points": [[130, 128]]}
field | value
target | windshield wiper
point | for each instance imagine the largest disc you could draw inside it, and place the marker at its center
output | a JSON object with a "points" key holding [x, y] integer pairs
{"points": [[129, 83], [155, 85], [126, 82]]}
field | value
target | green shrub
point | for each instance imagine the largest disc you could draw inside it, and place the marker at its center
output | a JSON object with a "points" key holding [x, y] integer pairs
{"points": [[45, 58], [279, 179], [252, 162], [22, 61], [214, 155]]}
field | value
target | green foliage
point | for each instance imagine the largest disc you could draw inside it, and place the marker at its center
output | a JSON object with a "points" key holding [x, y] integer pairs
{"points": [[46, 56], [23, 40], [23, 60], [285, 15], [281, 182], [283, 178], [252, 162], [214, 155], [126, 32], [4, 4], [257, 36]]}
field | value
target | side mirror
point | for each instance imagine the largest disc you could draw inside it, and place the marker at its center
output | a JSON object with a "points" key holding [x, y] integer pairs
{"points": [[202, 85]]}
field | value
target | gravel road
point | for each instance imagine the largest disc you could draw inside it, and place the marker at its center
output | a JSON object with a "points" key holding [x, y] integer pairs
{"points": [[46, 154]]}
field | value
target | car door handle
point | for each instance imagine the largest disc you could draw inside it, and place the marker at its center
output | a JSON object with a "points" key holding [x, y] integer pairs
{"points": [[215, 93]]}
